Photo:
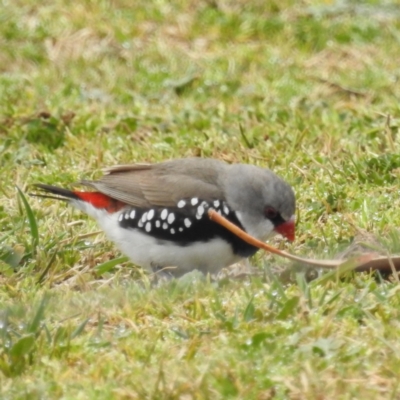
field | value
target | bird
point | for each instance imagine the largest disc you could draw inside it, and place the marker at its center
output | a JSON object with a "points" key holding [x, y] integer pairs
{"points": [[156, 213]]}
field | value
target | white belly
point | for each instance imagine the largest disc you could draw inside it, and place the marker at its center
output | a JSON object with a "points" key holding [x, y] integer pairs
{"points": [[149, 253]]}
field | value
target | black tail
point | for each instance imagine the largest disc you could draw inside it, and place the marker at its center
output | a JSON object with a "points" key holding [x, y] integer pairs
{"points": [[62, 194]]}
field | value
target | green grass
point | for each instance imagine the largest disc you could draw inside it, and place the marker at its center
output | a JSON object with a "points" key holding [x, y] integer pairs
{"points": [[309, 89]]}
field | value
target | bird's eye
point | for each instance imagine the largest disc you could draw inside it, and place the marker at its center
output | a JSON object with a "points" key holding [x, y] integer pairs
{"points": [[270, 212]]}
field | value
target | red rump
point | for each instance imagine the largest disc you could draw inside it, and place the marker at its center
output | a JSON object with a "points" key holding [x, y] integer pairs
{"points": [[100, 200]]}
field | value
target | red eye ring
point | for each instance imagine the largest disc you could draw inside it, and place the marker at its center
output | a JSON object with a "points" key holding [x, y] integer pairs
{"points": [[270, 212]]}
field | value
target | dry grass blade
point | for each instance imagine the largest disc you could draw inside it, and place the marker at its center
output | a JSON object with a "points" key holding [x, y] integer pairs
{"points": [[365, 262]]}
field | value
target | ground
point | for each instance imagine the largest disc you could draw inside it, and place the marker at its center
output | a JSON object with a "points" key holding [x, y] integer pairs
{"points": [[308, 88]]}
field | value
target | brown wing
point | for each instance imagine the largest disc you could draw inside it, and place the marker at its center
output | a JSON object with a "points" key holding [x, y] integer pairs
{"points": [[164, 184]]}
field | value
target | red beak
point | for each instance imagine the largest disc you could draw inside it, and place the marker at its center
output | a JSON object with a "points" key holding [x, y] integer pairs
{"points": [[287, 229]]}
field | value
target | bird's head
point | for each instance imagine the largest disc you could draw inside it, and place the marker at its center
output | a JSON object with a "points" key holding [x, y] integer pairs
{"points": [[264, 203]]}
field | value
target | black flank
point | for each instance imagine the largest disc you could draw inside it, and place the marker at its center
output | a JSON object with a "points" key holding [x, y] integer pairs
{"points": [[200, 230]]}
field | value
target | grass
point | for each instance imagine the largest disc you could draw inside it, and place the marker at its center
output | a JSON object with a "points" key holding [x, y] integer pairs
{"points": [[309, 89]]}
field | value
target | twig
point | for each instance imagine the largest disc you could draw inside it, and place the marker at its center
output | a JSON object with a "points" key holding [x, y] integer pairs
{"points": [[365, 262], [340, 87]]}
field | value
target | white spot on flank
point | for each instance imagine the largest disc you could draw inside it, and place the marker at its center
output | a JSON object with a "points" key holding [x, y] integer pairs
{"points": [[171, 218], [194, 201], [165, 225], [226, 209], [181, 203], [133, 213], [150, 215], [172, 231], [216, 203], [144, 217], [148, 227], [140, 224], [187, 222], [127, 216], [200, 210], [158, 224], [180, 229], [239, 216], [164, 214], [121, 217]]}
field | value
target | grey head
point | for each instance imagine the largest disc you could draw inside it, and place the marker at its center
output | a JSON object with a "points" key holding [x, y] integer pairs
{"points": [[264, 203]]}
